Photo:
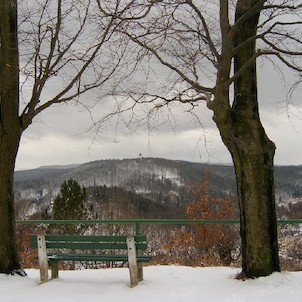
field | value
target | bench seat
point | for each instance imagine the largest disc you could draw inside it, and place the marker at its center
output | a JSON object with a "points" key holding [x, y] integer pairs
{"points": [[55, 248]]}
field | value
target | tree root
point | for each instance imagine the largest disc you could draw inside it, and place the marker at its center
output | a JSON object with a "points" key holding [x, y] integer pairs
{"points": [[19, 272]]}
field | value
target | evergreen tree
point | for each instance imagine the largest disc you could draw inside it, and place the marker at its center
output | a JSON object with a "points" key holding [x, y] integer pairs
{"points": [[70, 204]]}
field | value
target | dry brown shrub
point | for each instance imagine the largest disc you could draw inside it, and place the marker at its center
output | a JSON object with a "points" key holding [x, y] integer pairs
{"points": [[205, 244]]}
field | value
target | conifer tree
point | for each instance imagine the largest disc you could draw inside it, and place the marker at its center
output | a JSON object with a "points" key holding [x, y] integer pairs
{"points": [[69, 205]]}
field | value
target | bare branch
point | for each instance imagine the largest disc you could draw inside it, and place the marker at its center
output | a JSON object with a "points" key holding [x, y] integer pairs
{"points": [[134, 10], [205, 27], [70, 55], [195, 85]]}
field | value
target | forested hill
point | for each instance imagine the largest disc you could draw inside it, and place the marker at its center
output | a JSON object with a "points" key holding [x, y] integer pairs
{"points": [[160, 180], [139, 175]]}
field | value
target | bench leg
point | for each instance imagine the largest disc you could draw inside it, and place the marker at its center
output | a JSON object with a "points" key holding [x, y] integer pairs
{"points": [[55, 270], [132, 261], [43, 262], [140, 273]]}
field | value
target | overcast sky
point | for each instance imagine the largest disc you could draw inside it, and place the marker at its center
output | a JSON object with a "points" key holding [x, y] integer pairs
{"points": [[59, 136]]}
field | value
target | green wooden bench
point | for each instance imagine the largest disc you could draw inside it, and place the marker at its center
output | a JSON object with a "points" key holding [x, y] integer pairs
{"points": [[55, 248]]}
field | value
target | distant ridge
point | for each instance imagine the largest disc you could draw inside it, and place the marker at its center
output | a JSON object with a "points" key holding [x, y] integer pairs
{"points": [[153, 184], [58, 167], [150, 176]]}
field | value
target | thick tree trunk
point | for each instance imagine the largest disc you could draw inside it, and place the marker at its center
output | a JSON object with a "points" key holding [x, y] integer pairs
{"points": [[9, 261], [252, 151], [253, 160], [10, 133], [253, 157]]}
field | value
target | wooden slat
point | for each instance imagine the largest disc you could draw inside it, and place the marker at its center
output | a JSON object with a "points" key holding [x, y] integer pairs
{"points": [[89, 242], [89, 238], [141, 246], [85, 238], [93, 238], [91, 246], [33, 241], [87, 245], [87, 257], [95, 257]]}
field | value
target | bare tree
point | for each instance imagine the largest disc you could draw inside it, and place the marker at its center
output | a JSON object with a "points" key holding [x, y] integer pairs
{"points": [[54, 44], [208, 50]]}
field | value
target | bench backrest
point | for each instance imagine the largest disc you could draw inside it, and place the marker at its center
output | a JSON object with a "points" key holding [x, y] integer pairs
{"points": [[87, 242]]}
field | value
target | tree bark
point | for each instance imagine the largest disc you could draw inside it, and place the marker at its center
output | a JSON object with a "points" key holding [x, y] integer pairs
{"points": [[9, 261], [253, 156], [252, 153], [10, 132], [253, 160]]}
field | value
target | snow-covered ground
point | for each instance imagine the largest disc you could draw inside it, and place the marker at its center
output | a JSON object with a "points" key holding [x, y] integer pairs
{"points": [[162, 283]]}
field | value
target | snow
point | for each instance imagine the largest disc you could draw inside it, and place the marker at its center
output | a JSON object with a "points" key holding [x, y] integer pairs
{"points": [[162, 283]]}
